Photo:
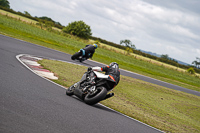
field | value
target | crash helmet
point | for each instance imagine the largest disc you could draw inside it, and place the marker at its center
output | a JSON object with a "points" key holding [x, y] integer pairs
{"points": [[95, 45], [114, 65]]}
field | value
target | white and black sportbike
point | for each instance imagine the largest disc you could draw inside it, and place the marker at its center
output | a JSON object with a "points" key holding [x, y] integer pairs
{"points": [[92, 88]]}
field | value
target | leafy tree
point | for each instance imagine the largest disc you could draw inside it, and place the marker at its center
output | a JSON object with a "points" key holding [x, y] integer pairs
{"points": [[128, 43], [191, 70], [48, 23], [5, 3], [166, 56], [196, 62], [46, 18], [78, 28], [26, 13], [129, 50]]}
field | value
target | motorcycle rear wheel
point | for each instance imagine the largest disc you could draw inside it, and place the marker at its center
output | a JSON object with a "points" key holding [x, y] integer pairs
{"points": [[93, 98], [76, 55]]}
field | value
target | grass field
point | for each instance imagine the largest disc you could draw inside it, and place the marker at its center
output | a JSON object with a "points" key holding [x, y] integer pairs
{"points": [[68, 44], [160, 107]]}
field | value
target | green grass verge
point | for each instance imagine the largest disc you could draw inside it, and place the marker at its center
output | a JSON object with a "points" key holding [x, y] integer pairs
{"points": [[68, 44], [163, 108]]}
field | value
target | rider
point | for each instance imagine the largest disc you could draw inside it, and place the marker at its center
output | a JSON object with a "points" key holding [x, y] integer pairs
{"points": [[114, 74], [88, 51]]}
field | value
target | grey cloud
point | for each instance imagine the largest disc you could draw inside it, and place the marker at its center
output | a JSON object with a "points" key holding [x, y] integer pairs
{"points": [[183, 5]]}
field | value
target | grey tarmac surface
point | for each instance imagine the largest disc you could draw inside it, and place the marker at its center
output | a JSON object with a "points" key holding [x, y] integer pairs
{"points": [[29, 103]]}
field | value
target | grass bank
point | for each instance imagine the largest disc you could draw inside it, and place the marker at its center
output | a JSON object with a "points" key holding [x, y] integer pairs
{"points": [[160, 107], [70, 44]]}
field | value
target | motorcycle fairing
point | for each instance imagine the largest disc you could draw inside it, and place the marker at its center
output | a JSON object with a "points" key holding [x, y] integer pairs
{"points": [[101, 75], [78, 92], [83, 77]]}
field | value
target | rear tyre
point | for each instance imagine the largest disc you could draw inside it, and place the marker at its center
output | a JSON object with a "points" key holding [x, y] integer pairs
{"points": [[70, 91], [76, 55], [93, 98]]}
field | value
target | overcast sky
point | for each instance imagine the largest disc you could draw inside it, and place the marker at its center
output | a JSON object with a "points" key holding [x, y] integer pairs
{"points": [[160, 26]]}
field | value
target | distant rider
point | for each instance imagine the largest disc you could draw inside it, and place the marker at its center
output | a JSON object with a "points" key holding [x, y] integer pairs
{"points": [[114, 75], [88, 51]]}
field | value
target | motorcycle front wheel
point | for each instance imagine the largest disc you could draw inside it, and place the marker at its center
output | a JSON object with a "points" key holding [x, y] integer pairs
{"points": [[76, 55], [94, 97], [70, 91]]}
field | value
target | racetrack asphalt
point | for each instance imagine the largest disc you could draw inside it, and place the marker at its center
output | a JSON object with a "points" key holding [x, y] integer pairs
{"points": [[29, 103], [32, 104]]}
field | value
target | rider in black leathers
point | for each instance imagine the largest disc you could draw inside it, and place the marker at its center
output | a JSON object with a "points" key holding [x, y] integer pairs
{"points": [[114, 74]]}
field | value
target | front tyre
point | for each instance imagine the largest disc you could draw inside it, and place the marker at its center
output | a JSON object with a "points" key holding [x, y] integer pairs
{"points": [[76, 55], [95, 97], [70, 91]]}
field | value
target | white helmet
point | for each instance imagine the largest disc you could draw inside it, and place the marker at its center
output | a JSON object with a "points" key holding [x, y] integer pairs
{"points": [[114, 65]]}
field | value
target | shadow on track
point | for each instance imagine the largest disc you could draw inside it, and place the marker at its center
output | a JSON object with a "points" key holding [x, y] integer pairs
{"points": [[97, 106]]}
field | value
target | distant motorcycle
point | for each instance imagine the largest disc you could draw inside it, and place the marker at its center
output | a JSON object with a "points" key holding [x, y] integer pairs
{"points": [[92, 88], [80, 56]]}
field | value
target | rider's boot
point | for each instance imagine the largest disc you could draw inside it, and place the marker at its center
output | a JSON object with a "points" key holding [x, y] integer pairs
{"points": [[82, 59], [109, 95]]}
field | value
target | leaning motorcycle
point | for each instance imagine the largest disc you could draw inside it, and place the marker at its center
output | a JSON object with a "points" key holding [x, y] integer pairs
{"points": [[80, 55], [92, 88]]}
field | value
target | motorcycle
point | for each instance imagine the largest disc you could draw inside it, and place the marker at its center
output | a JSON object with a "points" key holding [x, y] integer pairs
{"points": [[80, 55], [92, 88]]}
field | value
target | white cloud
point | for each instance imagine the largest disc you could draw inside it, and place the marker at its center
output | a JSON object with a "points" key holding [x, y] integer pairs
{"points": [[180, 31], [198, 51], [174, 49]]}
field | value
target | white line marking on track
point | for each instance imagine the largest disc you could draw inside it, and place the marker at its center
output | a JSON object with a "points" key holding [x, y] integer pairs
{"points": [[18, 58]]}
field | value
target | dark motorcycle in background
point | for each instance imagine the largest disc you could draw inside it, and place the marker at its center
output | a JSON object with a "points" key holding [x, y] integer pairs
{"points": [[92, 88], [80, 55]]}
